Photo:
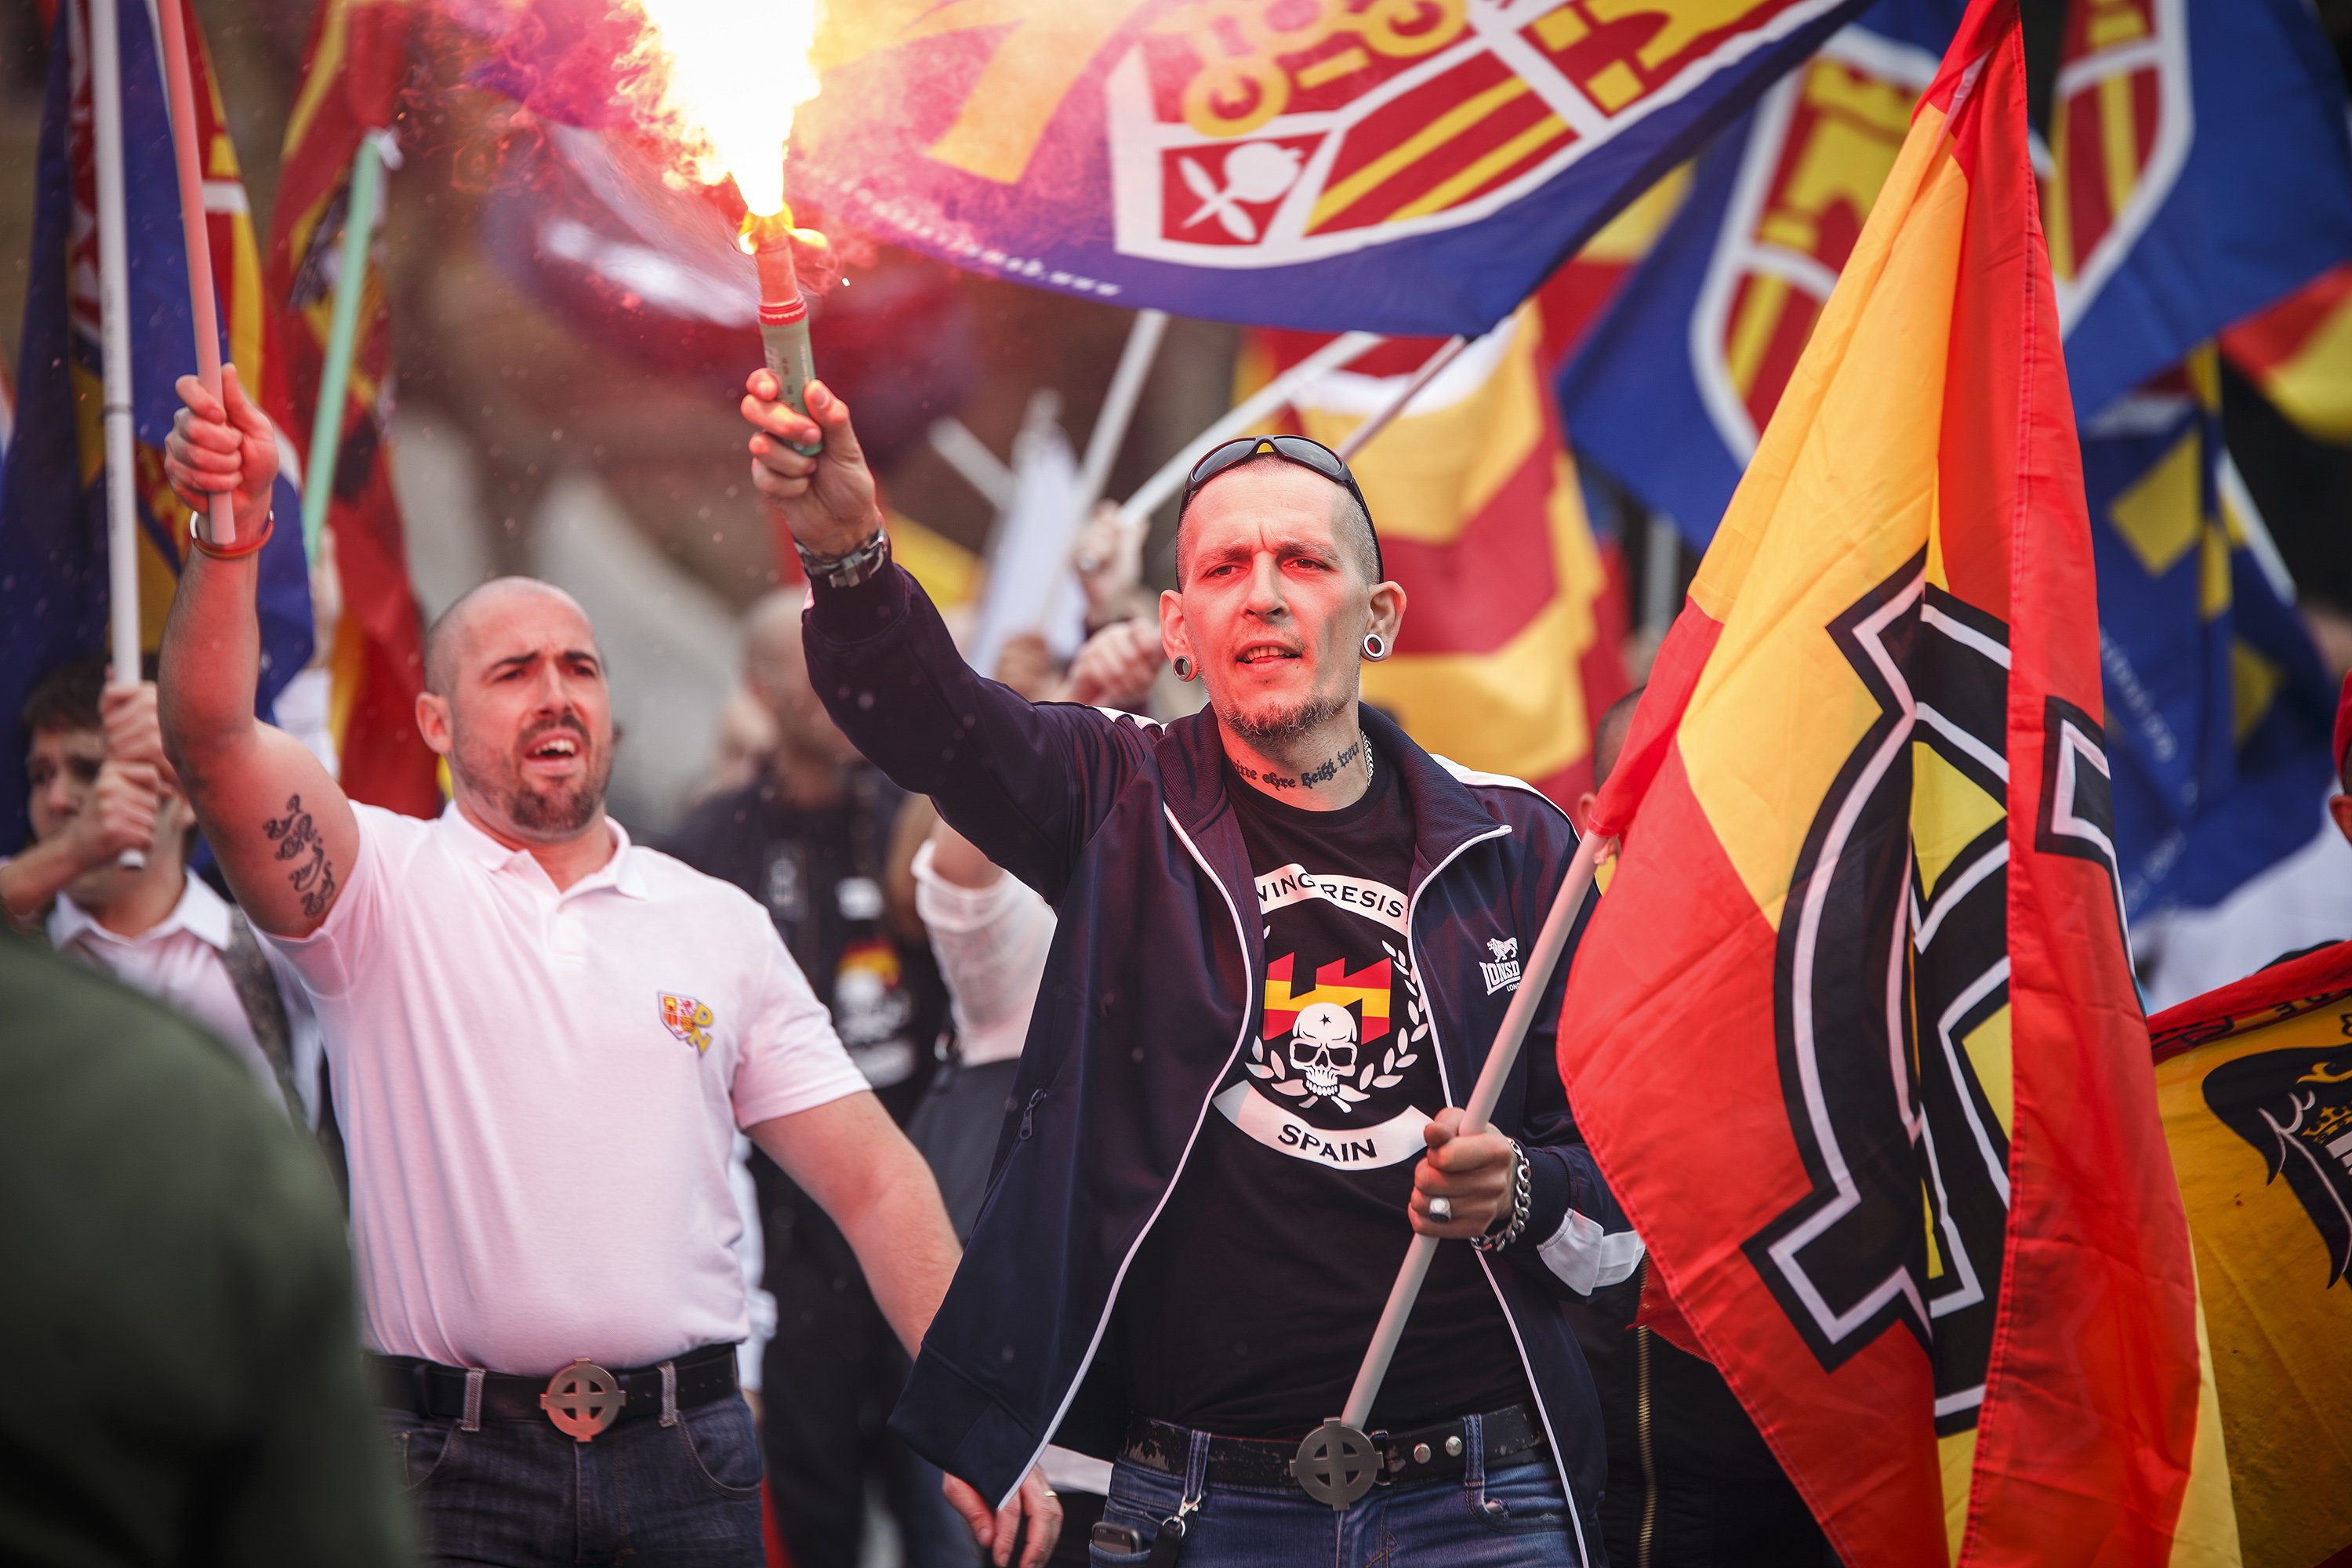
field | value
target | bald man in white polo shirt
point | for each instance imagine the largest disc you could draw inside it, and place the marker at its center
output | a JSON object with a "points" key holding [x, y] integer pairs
{"points": [[541, 1040]]}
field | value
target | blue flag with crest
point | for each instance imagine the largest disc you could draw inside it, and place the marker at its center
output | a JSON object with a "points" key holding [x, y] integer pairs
{"points": [[1403, 168], [53, 544], [2216, 711], [2201, 168]]}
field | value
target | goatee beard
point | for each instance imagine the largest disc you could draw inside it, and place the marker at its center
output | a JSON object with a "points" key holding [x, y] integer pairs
{"points": [[1280, 724], [558, 815]]}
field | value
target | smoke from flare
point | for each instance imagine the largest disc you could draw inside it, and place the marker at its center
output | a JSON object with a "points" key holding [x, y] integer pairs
{"points": [[735, 70]]}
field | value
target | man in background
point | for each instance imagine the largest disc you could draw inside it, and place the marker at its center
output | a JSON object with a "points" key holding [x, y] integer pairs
{"points": [[94, 757], [185, 1385], [823, 842]]}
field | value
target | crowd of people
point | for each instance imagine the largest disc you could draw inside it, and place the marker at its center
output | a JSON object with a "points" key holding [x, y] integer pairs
{"points": [[991, 1098]]}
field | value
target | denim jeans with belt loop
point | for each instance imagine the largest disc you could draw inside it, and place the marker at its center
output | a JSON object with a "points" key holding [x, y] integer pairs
{"points": [[1513, 1517]]}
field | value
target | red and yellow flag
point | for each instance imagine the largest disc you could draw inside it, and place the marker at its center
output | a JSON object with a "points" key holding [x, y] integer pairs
{"points": [[2254, 1081], [1855, 1033], [2299, 352], [352, 77]]}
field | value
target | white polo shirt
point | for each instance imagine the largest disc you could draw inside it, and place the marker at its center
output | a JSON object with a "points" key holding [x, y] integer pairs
{"points": [[538, 1093], [179, 961]]}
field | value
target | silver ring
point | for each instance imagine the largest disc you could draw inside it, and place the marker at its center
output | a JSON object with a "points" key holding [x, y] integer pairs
{"points": [[1442, 1210]]}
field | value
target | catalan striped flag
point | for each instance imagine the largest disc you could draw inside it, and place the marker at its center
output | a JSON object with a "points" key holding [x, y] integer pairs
{"points": [[1854, 1034], [1513, 623], [351, 77], [53, 567], [2254, 1081]]}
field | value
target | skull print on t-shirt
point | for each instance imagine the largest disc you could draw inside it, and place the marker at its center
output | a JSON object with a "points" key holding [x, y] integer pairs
{"points": [[1250, 1305]]}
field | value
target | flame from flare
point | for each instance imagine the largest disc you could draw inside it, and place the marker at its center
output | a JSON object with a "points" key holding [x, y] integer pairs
{"points": [[732, 71]]}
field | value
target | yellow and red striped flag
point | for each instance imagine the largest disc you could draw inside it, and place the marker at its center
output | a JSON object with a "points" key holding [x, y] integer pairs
{"points": [[351, 77], [1854, 1034]]}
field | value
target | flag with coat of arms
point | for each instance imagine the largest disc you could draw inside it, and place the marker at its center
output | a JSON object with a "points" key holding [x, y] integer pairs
{"points": [[2220, 711], [2200, 169], [53, 539], [1410, 166], [1403, 166]]}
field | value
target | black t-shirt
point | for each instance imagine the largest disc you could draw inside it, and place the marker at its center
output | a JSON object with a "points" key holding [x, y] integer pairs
{"points": [[1248, 1309], [819, 873]]}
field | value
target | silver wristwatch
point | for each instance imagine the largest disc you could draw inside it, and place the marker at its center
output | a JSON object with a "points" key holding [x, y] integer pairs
{"points": [[850, 568]]}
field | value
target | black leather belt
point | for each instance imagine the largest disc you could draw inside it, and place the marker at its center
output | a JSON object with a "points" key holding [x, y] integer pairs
{"points": [[579, 1400], [1424, 1453]]}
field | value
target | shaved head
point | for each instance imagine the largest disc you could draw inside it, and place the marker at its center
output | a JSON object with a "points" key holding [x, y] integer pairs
{"points": [[1351, 525], [515, 699], [454, 630]]}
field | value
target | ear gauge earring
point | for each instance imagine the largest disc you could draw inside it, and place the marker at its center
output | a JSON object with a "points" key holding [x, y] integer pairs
{"points": [[1376, 647], [1183, 668]]}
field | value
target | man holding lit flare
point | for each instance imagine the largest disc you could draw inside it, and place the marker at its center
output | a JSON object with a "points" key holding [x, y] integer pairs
{"points": [[543, 1038], [1286, 937]]}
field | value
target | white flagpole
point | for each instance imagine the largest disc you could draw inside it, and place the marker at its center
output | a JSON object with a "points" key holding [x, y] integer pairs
{"points": [[1447, 353], [1501, 1058], [114, 356], [1119, 407], [114, 338]]}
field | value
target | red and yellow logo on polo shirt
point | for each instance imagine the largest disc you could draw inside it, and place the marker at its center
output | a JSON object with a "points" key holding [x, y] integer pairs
{"points": [[687, 1018]]}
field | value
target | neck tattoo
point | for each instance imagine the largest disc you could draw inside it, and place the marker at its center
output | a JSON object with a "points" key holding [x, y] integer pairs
{"points": [[1359, 746]]}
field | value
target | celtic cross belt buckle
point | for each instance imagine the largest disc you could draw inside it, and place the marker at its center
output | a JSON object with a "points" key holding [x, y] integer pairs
{"points": [[583, 1399], [1336, 1465]]}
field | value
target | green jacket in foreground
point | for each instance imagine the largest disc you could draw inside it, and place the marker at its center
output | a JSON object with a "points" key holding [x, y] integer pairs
{"points": [[182, 1381]]}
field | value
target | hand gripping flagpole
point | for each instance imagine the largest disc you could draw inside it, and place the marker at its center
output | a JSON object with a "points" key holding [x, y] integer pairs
{"points": [[179, 84], [1337, 1463]]}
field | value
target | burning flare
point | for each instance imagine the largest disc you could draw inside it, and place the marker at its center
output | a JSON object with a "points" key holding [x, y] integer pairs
{"points": [[736, 70]]}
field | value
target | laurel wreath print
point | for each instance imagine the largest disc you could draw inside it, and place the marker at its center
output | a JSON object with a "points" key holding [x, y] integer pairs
{"points": [[1274, 1069]]}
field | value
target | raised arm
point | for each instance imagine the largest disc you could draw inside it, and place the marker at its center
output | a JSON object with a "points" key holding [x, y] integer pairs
{"points": [[1027, 781], [283, 830]]}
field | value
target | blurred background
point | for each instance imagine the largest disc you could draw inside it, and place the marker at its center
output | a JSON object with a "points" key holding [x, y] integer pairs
{"points": [[564, 401]]}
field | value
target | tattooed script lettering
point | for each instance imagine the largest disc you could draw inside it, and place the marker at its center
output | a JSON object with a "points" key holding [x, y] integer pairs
{"points": [[297, 840], [1311, 777]]}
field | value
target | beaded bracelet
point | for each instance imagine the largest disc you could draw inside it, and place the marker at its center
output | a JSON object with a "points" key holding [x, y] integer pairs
{"points": [[241, 549], [1522, 1200]]}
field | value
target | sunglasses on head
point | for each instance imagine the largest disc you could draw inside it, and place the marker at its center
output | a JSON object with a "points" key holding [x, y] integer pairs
{"points": [[1310, 455]]}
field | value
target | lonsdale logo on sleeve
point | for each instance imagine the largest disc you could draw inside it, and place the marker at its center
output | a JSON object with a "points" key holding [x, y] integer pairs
{"points": [[687, 1018]]}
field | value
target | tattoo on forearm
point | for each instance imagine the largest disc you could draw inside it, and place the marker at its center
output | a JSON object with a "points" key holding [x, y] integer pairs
{"points": [[297, 841], [1311, 777]]}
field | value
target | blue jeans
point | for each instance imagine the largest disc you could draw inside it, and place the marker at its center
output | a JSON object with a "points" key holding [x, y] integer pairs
{"points": [[1514, 1517], [519, 1494]]}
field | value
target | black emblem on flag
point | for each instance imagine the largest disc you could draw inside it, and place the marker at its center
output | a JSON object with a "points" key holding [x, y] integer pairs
{"points": [[1893, 957], [2294, 1107]]}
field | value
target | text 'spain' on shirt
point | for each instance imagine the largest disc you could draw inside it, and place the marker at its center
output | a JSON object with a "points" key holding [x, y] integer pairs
{"points": [[1248, 1309]]}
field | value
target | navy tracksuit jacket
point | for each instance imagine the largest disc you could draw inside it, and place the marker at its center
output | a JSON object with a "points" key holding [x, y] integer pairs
{"points": [[1125, 827]]}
